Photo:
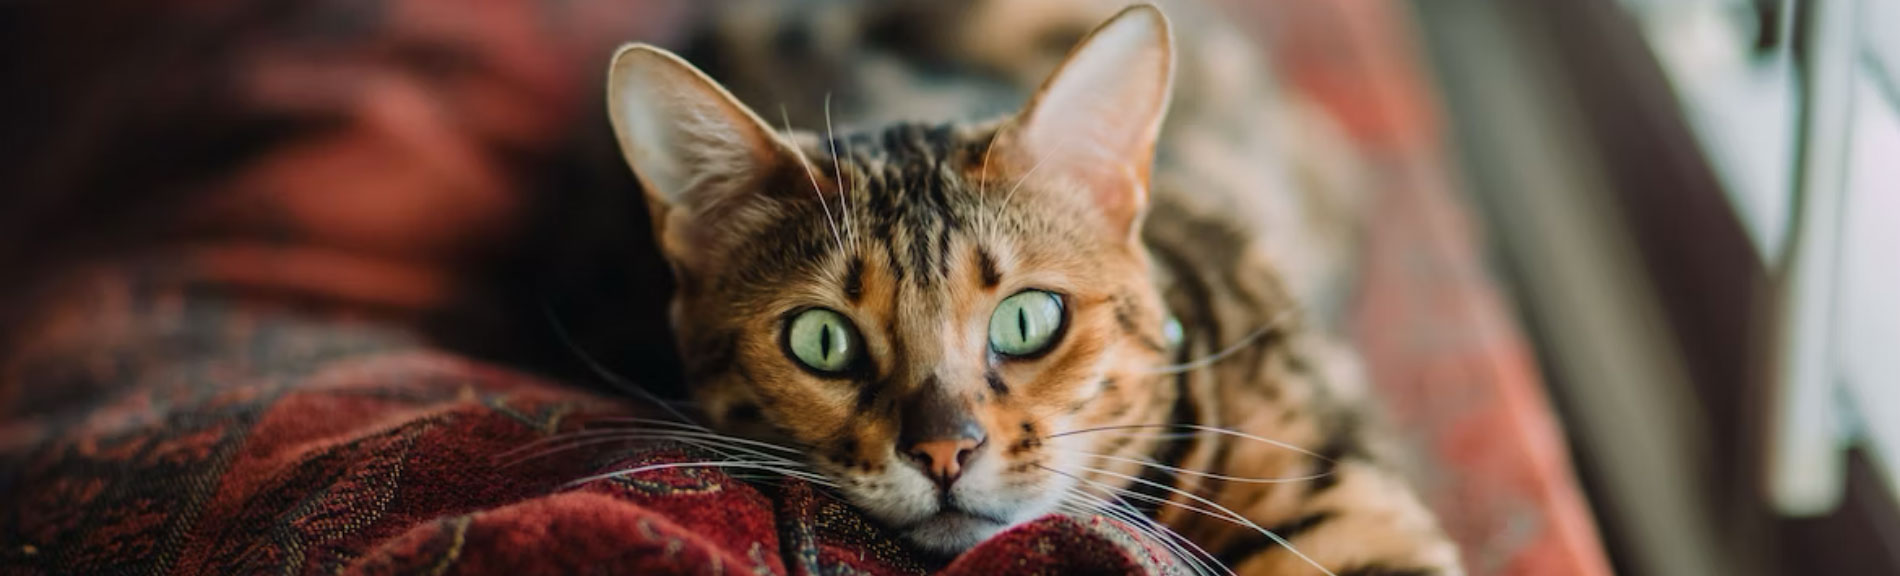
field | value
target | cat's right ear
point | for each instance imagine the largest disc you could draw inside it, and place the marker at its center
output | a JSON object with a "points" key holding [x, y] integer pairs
{"points": [[700, 154]]}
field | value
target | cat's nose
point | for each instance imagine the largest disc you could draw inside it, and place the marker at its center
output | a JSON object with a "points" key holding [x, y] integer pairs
{"points": [[940, 435], [943, 460]]}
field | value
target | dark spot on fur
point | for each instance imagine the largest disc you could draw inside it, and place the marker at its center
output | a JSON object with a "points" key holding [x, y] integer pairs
{"points": [[868, 395], [854, 280], [1342, 443], [1026, 444], [986, 268], [1126, 314], [1298, 364], [747, 412], [715, 354], [1253, 544], [996, 383]]}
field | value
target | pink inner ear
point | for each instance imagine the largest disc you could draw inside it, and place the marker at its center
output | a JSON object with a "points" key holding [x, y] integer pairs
{"points": [[1094, 123], [691, 143]]}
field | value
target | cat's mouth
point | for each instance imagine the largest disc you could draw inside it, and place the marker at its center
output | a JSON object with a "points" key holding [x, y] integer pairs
{"points": [[953, 529], [954, 514]]}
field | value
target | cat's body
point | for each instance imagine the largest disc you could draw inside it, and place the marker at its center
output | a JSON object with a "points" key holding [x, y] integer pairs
{"points": [[965, 325]]}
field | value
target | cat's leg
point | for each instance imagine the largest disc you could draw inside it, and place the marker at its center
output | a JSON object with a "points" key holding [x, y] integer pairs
{"points": [[1311, 471]]}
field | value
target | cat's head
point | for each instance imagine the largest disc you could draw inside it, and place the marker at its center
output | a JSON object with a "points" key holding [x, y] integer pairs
{"points": [[924, 309]]}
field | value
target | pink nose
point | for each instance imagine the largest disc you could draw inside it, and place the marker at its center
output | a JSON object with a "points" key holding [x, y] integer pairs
{"points": [[943, 460]]}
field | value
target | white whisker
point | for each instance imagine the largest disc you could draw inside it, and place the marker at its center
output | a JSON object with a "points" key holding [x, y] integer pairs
{"points": [[638, 434], [1145, 526], [1025, 178], [1152, 435], [1186, 550], [983, 174], [805, 162], [1196, 427], [708, 434], [1119, 493], [850, 227], [741, 465], [567, 340], [639, 420], [1187, 472], [1230, 350], [1172, 548], [1177, 543], [1226, 513], [595, 438]]}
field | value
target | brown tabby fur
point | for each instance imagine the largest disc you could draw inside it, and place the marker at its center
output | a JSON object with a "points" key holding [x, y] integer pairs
{"points": [[916, 231]]}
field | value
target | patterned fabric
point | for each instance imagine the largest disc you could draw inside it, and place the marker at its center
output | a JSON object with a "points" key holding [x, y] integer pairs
{"points": [[220, 437], [262, 386]]}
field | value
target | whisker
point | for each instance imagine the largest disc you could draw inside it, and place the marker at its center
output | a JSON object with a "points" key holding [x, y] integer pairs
{"points": [[1025, 178], [836, 168], [1119, 493], [740, 465], [1125, 510], [723, 451], [1230, 350], [571, 444], [815, 190], [1172, 549], [1195, 427], [567, 340], [639, 420], [983, 172], [706, 435], [1156, 436], [594, 437], [1187, 472], [1229, 514], [1161, 535]]}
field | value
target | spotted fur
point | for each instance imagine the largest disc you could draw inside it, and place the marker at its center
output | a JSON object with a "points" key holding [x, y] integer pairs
{"points": [[915, 231]]}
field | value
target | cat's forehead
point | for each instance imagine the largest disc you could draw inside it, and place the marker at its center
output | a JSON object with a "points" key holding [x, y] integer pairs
{"points": [[892, 157], [914, 204]]}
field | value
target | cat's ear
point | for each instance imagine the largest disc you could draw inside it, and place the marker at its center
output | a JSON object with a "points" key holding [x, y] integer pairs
{"points": [[699, 153], [1094, 122]]}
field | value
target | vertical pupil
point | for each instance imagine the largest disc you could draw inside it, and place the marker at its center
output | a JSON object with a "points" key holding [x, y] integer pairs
{"points": [[824, 342], [1022, 322]]}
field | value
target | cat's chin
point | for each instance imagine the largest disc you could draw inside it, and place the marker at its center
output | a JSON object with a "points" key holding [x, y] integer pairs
{"points": [[951, 532]]}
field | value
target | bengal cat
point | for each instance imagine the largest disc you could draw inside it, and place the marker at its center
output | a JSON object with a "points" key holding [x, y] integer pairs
{"points": [[965, 326]]}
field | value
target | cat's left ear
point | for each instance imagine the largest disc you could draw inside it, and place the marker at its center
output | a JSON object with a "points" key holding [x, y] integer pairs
{"points": [[1094, 123], [703, 157]]}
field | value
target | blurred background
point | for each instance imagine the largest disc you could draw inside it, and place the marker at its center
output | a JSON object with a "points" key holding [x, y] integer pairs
{"points": [[1696, 207], [1684, 213]]}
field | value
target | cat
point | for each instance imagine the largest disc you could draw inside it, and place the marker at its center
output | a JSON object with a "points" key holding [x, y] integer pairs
{"points": [[966, 326]]}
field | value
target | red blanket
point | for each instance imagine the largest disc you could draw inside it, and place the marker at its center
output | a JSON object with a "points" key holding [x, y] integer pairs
{"points": [[182, 431]]}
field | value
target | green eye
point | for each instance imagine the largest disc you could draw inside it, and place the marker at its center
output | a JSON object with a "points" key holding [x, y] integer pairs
{"points": [[1026, 323], [823, 340]]}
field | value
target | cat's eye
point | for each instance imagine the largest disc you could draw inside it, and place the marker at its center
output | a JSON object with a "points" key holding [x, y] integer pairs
{"points": [[823, 340], [1026, 323]]}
